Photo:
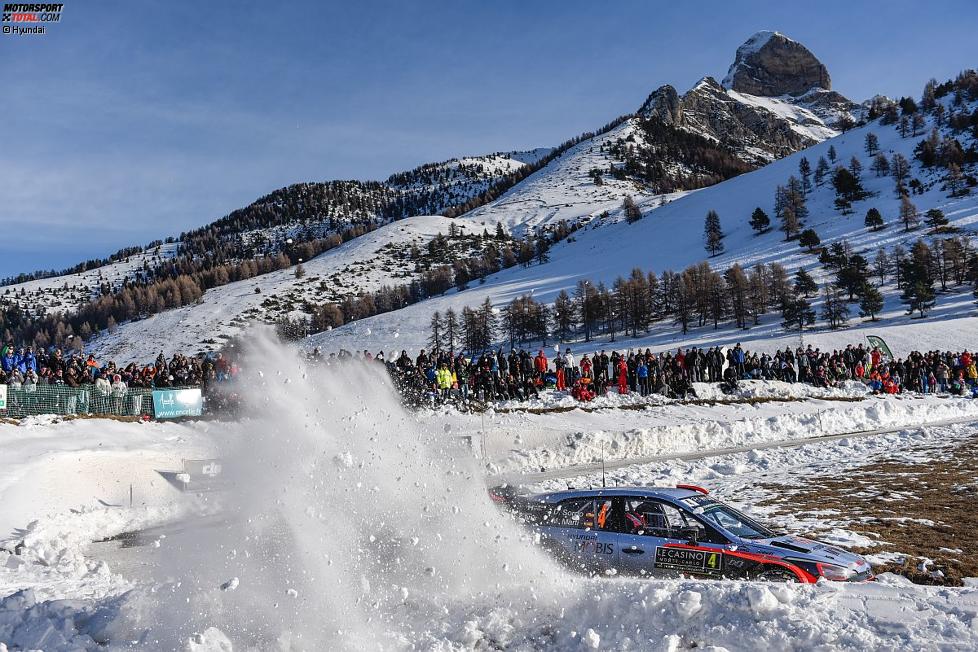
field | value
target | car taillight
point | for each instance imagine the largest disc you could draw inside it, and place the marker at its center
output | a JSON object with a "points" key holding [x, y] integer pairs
{"points": [[835, 573]]}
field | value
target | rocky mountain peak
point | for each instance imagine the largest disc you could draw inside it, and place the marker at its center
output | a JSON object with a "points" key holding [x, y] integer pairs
{"points": [[770, 64], [664, 103]]}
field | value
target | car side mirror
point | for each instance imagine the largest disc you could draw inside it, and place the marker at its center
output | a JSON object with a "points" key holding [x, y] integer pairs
{"points": [[690, 534]]}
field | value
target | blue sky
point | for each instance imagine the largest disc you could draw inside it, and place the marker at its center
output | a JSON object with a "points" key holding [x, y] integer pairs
{"points": [[130, 121]]}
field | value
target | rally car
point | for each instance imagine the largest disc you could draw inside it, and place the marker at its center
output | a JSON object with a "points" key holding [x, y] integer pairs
{"points": [[672, 532]]}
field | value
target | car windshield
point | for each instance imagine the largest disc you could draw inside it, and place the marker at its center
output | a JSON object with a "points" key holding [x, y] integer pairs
{"points": [[727, 518]]}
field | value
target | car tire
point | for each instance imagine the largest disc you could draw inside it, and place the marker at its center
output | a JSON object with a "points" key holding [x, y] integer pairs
{"points": [[777, 574]]}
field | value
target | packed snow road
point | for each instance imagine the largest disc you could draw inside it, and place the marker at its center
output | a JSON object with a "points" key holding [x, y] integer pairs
{"points": [[351, 524]]}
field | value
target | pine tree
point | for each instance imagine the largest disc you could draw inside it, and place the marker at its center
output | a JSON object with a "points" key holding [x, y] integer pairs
{"points": [[853, 275], [797, 312], [899, 168], [847, 189], [908, 213], [804, 283], [300, 271], [451, 330], [790, 223], [759, 221], [821, 169], [631, 210], [713, 234], [917, 123], [564, 317], [870, 302], [805, 170], [881, 264], [832, 153], [881, 165], [919, 296], [487, 325], [435, 339], [834, 307], [904, 126], [872, 144], [935, 218], [874, 220], [918, 280], [809, 239], [855, 167]]}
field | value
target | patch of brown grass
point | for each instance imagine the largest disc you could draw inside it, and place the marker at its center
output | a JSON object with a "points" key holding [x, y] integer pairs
{"points": [[913, 509]]}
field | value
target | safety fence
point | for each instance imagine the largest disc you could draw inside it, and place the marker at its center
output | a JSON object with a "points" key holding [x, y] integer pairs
{"points": [[28, 400]]}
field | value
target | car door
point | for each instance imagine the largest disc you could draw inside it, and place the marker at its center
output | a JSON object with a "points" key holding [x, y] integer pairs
{"points": [[582, 534], [679, 555], [643, 528], [652, 543]]}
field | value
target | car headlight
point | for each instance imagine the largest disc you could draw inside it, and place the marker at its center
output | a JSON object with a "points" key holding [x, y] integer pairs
{"points": [[835, 573]]}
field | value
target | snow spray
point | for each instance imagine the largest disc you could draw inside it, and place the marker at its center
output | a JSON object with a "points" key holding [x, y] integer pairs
{"points": [[348, 522]]}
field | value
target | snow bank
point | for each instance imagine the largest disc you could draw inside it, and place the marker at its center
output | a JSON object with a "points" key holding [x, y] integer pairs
{"points": [[52, 465], [602, 614], [589, 447], [748, 389]]}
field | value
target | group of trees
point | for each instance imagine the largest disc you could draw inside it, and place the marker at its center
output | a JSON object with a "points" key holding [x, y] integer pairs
{"points": [[435, 280], [653, 158], [694, 297], [474, 330]]}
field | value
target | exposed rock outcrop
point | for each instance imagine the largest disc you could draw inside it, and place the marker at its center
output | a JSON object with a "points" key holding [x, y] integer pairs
{"points": [[770, 64], [775, 100]]}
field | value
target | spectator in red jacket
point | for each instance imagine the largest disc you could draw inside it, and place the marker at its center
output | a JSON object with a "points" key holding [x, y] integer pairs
{"points": [[540, 363]]}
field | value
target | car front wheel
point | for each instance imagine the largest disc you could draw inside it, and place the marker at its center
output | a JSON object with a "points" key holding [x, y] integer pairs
{"points": [[777, 575]]}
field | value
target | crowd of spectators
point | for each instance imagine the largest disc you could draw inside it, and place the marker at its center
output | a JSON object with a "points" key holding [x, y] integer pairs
{"points": [[440, 376], [519, 375], [25, 368]]}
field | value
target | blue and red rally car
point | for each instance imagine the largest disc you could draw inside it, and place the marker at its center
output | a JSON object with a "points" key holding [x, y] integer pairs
{"points": [[670, 532]]}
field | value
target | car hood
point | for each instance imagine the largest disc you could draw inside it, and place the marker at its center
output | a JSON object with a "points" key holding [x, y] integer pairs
{"points": [[808, 549]]}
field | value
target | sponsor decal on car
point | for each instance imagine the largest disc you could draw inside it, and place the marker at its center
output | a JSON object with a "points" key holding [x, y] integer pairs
{"points": [[684, 559], [590, 543]]}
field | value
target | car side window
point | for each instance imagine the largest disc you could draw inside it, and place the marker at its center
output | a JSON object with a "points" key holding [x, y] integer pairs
{"points": [[603, 515], [576, 513], [646, 517], [678, 520], [707, 533]]}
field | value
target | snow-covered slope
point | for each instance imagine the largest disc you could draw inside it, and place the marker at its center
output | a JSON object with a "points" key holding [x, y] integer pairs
{"points": [[363, 264], [670, 236], [65, 293]]}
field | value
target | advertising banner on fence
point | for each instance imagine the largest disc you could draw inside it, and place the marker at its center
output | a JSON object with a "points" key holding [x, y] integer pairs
{"points": [[173, 403], [3, 397]]}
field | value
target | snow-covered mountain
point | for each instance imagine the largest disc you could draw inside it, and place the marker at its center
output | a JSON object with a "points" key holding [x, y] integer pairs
{"points": [[775, 101], [669, 236]]}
